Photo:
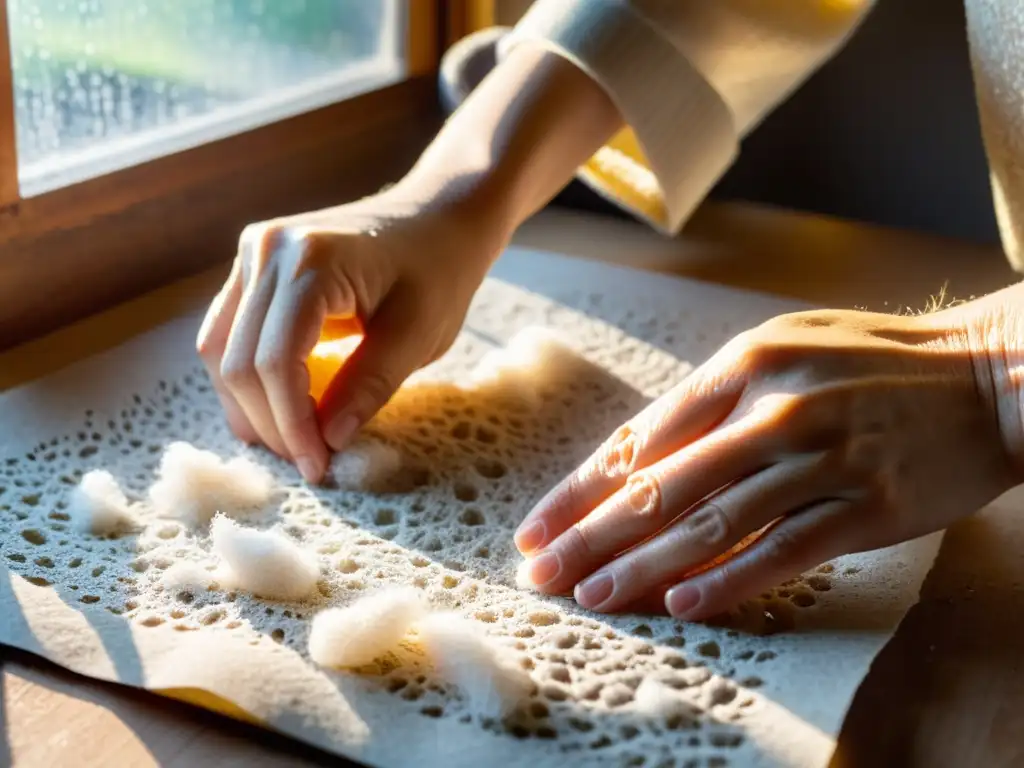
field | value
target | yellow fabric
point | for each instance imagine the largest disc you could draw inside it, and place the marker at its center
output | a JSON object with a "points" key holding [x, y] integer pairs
{"points": [[210, 701], [690, 79], [621, 172]]}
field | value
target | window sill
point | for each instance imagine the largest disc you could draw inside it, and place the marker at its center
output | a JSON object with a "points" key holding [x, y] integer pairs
{"points": [[79, 249]]}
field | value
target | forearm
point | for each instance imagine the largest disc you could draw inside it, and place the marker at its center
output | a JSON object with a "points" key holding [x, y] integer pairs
{"points": [[517, 140]]}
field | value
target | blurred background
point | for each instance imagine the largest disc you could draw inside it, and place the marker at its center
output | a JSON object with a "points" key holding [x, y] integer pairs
{"points": [[886, 132], [92, 71]]}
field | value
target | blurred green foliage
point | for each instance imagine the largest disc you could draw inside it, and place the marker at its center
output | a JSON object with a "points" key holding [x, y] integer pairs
{"points": [[186, 42]]}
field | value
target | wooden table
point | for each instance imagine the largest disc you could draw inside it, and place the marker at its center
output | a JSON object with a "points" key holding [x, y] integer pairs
{"points": [[947, 691]]}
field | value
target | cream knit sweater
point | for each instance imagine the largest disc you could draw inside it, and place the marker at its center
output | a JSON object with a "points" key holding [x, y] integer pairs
{"points": [[693, 77]]}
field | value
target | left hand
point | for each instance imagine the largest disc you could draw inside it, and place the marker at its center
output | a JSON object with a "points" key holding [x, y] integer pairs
{"points": [[843, 431]]}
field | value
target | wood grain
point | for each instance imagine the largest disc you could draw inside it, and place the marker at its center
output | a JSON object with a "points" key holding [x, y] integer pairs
{"points": [[823, 260], [51, 718], [9, 192]]}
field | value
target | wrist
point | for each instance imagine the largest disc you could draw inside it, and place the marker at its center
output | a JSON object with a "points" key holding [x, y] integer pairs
{"points": [[516, 140], [477, 198], [990, 332], [462, 212]]}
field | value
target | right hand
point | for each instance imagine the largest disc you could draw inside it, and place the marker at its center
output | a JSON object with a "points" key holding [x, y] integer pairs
{"points": [[406, 265]]}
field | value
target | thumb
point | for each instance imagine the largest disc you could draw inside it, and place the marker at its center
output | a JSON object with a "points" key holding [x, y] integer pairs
{"points": [[393, 348]]}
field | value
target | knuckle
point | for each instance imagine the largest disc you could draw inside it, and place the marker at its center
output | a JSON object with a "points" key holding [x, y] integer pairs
{"points": [[768, 358], [311, 249], [208, 352], [270, 364], [751, 356], [632, 572], [706, 527], [258, 245], [733, 353], [252, 233], [238, 375], [762, 351], [261, 233], [618, 455], [783, 546], [643, 495], [574, 546]]}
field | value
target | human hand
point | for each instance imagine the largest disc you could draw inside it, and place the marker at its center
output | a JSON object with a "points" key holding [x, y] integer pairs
{"points": [[833, 432], [401, 265]]}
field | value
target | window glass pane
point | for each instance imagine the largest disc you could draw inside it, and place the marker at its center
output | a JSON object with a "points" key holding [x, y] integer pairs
{"points": [[101, 84]]}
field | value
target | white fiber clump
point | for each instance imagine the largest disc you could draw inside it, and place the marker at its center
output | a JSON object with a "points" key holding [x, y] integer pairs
{"points": [[193, 485], [493, 683], [99, 506], [523, 580], [356, 635], [533, 359], [266, 563], [365, 466], [187, 577], [658, 701]]}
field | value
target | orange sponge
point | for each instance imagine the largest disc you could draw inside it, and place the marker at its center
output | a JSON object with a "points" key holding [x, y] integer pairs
{"points": [[339, 338]]}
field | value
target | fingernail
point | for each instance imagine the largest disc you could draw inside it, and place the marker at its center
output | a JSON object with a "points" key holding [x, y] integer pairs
{"points": [[681, 600], [544, 568], [530, 537], [341, 431], [308, 468], [592, 592]]}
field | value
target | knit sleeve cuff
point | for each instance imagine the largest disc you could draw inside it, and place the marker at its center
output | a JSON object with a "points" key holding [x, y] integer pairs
{"points": [[680, 135]]}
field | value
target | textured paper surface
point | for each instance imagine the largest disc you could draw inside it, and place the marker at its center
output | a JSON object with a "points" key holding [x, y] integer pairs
{"points": [[764, 699]]}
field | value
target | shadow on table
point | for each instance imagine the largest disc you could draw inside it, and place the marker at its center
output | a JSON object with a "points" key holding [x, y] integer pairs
{"points": [[174, 734], [166, 727], [948, 690]]}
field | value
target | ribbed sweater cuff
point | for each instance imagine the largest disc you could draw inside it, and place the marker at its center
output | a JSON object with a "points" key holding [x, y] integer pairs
{"points": [[681, 135]]}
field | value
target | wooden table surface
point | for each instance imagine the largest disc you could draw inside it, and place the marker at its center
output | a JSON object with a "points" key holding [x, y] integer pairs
{"points": [[947, 691]]}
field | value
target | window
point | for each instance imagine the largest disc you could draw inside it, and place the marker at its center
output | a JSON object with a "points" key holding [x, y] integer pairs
{"points": [[103, 84], [138, 137]]}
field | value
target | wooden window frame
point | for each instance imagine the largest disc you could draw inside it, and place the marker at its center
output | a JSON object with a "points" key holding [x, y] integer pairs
{"points": [[76, 250], [466, 16]]}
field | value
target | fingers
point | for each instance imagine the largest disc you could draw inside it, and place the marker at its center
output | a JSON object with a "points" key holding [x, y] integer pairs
{"points": [[238, 366], [700, 403], [727, 520], [649, 501], [259, 335], [290, 331], [392, 349], [796, 544], [277, 323], [211, 343]]}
